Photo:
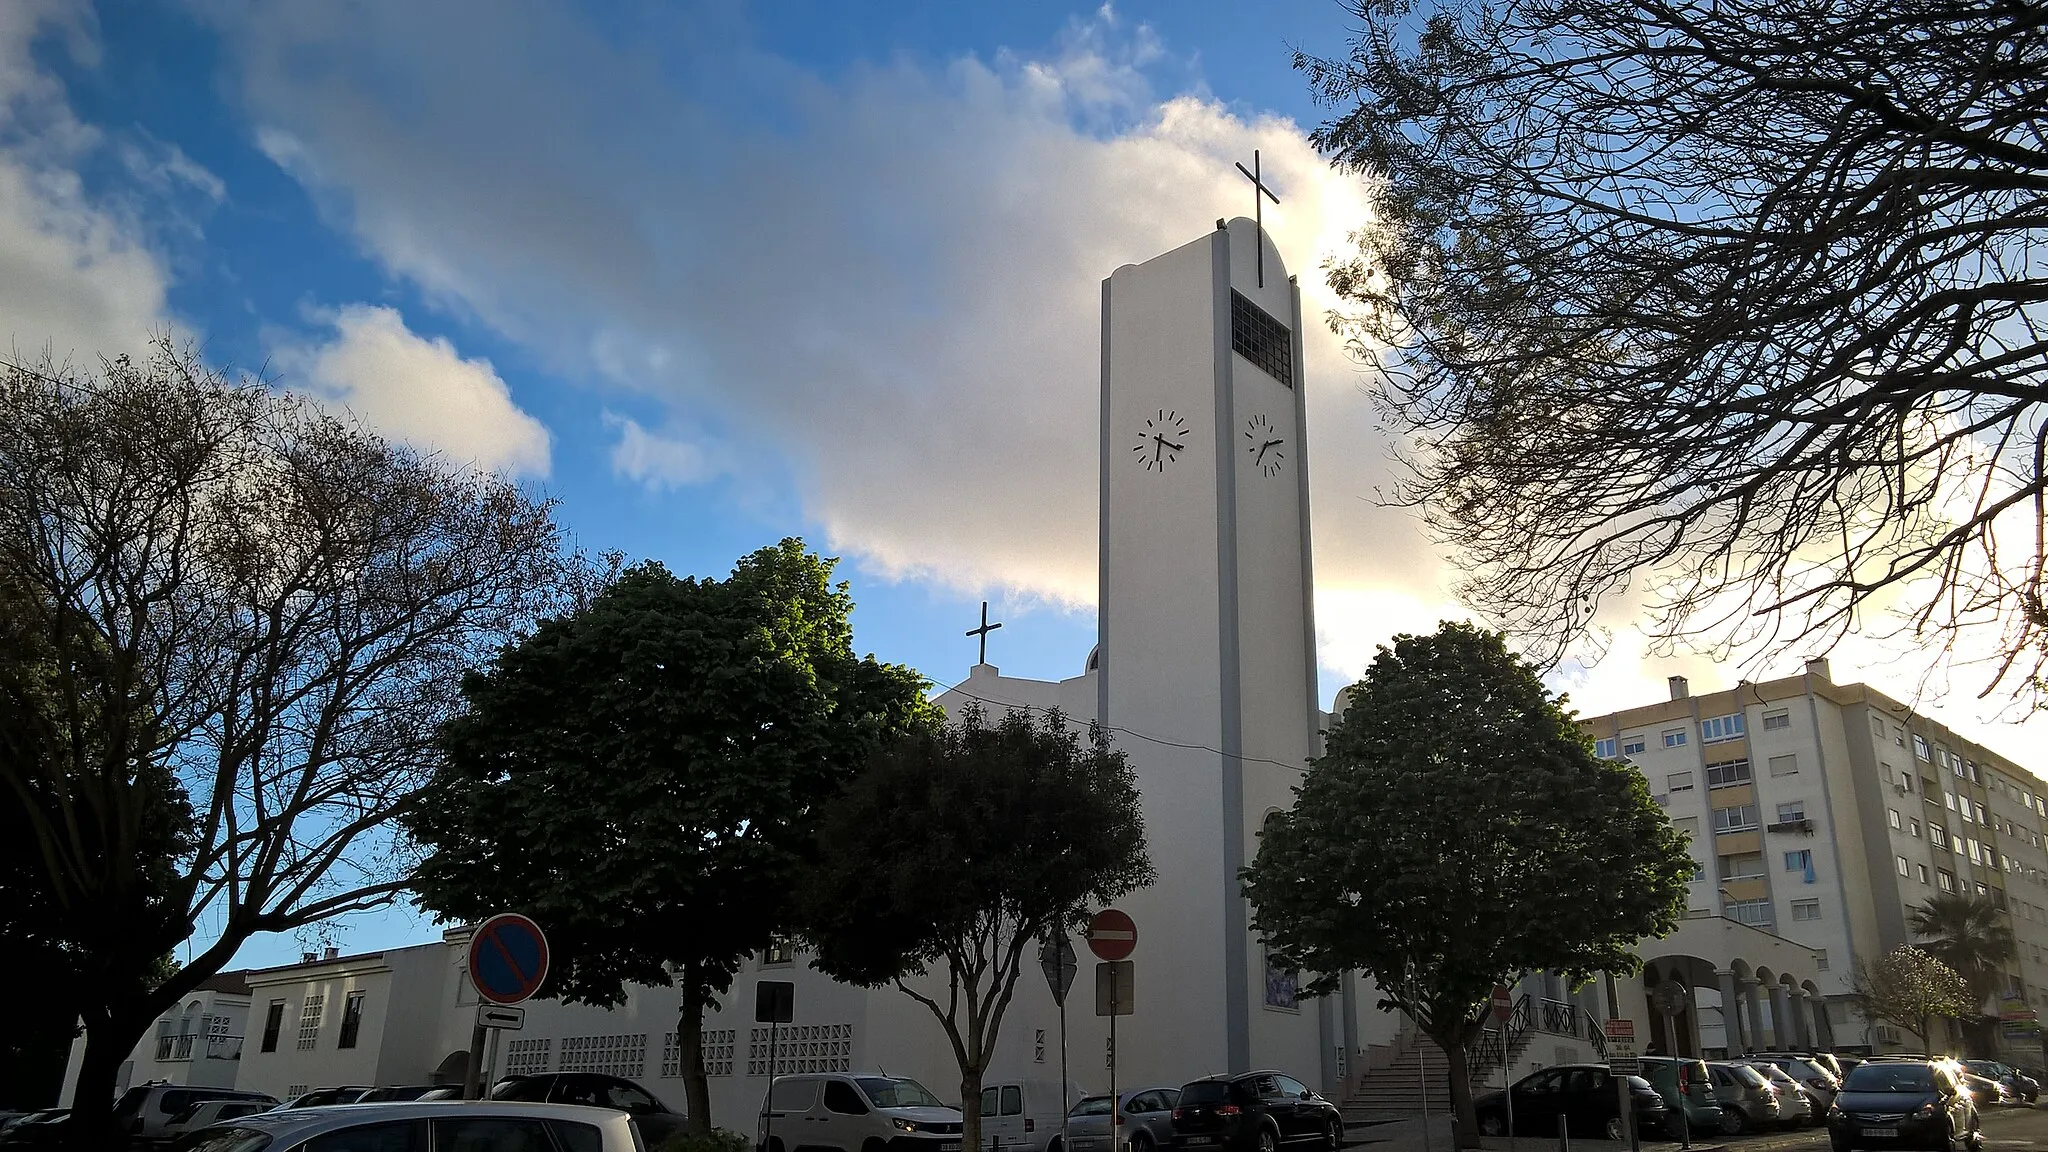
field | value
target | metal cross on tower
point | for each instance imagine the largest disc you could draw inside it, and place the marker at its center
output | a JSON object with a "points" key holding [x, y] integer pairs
{"points": [[1258, 208], [982, 633]]}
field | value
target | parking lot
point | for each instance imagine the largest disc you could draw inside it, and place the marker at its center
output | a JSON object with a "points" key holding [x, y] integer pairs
{"points": [[2004, 1128]]}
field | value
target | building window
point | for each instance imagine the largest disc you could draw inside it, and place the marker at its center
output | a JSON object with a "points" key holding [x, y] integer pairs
{"points": [[1728, 772], [1920, 873], [1937, 835], [1755, 913], [1784, 765], [1947, 879], [1604, 749], [1892, 816], [1776, 720], [1904, 870], [1806, 909], [1913, 829], [1920, 748], [1742, 866], [1739, 818], [1678, 782], [1283, 985], [1259, 338], [1948, 798], [1906, 783], [1675, 738], [1791, 810], [1799, 860], [1715, 729], [780, 950], [1687, 826], [1876, 732], [309, 1021], [1820, 964], [1898, 736], [351, 1020], [1632, 746], [273, 1023]]}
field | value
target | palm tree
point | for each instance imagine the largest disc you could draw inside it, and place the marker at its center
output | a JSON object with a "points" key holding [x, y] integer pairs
{"points": [[1973, 936]]}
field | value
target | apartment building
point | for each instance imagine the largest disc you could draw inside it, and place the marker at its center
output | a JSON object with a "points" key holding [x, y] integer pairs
{"points": [[1825, 812]]}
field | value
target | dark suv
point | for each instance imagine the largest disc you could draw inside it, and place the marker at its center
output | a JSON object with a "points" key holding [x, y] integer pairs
{"points": [[1254, 1112], [596, 1089]]}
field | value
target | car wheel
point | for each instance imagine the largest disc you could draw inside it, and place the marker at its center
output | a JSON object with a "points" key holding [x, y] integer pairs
{"points": [[1142, 1142], [1333, 1136], [1615, 1129], [1055, 1145], [1733, 1122], [1491, 1125], [1269, 1140]]}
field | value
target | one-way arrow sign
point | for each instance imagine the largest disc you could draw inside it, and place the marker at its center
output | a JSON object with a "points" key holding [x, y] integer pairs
{"points": [[1057, 958]]}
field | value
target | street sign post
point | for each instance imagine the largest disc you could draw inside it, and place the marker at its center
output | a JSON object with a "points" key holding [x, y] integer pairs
{"points": [[508, 958], [500, 1016], [508, 962], [1503, 1002], [1622, 1057], [1112, 935], [1057, 960]]}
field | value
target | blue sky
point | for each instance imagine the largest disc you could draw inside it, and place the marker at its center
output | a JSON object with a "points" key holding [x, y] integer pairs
{"points": [[711, 274]]}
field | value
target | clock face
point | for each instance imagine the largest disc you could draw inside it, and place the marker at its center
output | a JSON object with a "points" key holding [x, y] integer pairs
{"points": [[1264, 445], [1162, 440]]}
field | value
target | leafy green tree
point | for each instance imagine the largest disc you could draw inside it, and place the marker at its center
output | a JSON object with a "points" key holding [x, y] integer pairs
{"points": [[1735, 304], [1974, 936], [1456, 831], [959, 848], [642, 776], [234, 623], [1912, 989]]}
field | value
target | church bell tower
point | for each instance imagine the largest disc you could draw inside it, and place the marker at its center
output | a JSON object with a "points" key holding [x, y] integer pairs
{"points": [[1207, 628]]}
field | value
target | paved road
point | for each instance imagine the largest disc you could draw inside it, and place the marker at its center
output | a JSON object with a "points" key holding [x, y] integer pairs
{"points": [[2005, 1130]]}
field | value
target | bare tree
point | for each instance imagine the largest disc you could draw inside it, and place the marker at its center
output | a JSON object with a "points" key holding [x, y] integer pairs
{"points": [[1734, 306], [240, 622]]}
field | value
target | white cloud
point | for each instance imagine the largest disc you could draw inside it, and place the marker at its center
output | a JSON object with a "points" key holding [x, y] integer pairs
{"points": [[77, 276], [892, 282], [656, 461], [417, 390]]}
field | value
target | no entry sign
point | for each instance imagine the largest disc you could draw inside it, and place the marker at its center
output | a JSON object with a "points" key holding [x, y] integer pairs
{"points": [[508, 958], [1111, 935], [1503, 1002]]}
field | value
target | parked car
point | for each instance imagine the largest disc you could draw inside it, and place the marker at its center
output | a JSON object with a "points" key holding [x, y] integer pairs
{"points": [[1024, 1115], [1903, 1104], [1800, 1108], [323, 1097], [142, 1112], [1988, 1093], [502, 1126], [44, 1129], [1818, 1079], [208, 1112], [1748, 1102], [1683, 1081], [1148, 1121], [391, 1093], [2024, 1088], [1582, 1094], [850, 1112], [1254, 1112], [25, 1117], [597, 1090]]}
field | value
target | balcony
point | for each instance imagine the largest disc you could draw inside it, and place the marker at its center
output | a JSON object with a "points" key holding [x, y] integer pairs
{"points": [[1800, 825]]}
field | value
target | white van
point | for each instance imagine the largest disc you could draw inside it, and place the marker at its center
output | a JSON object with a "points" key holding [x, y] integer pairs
{"points": [[850, 1112], [1024, 1115]]}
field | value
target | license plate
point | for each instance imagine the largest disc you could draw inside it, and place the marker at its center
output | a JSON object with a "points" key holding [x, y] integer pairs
{"points": [[1880, 1132], [949, 1146], [1198, 1139]]}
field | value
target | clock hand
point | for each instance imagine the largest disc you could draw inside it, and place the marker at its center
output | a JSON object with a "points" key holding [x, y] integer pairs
{"points": [[1269, 444], [1172, 445]]}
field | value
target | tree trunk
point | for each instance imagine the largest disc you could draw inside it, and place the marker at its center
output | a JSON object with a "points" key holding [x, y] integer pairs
{"points": [[108, 1041], [970, 1108], [690, 1045], [1465, 1117]]}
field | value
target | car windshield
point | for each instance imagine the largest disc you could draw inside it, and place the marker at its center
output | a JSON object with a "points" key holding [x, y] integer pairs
{"points": [[1984, 1068], [1204, 1092], [891, 1092], [1092, 1106], [1888, 1077]]}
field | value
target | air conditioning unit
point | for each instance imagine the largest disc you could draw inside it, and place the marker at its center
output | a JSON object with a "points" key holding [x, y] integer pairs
{"points": [[1900, 789]]}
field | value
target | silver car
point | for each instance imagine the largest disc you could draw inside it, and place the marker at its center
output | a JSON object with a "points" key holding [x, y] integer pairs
{"points": [[1748, 1102], [453, 1124], [1800, 1107], [1148, 1120]]}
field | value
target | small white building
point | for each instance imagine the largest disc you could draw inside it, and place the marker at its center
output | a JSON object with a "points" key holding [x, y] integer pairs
{"points": [[199, 1042]]}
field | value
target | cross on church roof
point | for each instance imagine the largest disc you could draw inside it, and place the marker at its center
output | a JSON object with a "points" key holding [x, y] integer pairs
{"points": [[982, 633], [1258, 208]]}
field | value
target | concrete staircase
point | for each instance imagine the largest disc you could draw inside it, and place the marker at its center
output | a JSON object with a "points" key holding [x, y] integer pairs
{"points": [[1397, 1080]]}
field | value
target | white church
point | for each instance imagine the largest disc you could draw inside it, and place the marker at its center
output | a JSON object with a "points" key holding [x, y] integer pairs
{"points": [[1205, 669]]}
